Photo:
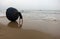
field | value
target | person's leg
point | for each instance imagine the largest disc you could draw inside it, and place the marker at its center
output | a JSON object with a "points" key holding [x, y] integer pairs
{"points": [[20, 19]]}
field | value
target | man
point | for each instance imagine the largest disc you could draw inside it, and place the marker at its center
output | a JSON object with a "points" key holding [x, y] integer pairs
{"points": [[12, 14]]}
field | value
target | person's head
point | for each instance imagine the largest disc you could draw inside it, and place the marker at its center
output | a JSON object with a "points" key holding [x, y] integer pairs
{"points": [[20, 15]]}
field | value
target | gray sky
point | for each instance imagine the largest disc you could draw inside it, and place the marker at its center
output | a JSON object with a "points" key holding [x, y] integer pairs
{"points": [[31, 4]]}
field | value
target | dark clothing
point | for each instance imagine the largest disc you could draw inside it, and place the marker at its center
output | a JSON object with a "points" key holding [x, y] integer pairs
{"points": [[12, 14], [20, 15]]}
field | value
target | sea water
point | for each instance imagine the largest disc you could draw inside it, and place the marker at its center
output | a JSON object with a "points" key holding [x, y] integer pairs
{"points": [[47, 14]]}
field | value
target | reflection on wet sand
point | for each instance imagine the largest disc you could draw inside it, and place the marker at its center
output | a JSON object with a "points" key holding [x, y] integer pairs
{"points": [[14, 25]]}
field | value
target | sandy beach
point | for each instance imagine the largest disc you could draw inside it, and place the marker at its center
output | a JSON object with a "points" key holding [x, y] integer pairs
{"points": [[30, 29], [41, 19]]}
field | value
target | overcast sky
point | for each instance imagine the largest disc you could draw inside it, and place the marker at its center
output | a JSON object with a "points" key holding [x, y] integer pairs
{"points": [[31, 4]]}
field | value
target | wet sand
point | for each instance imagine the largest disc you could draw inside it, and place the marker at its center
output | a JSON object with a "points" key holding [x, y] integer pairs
{"points": [[30, 29]]}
